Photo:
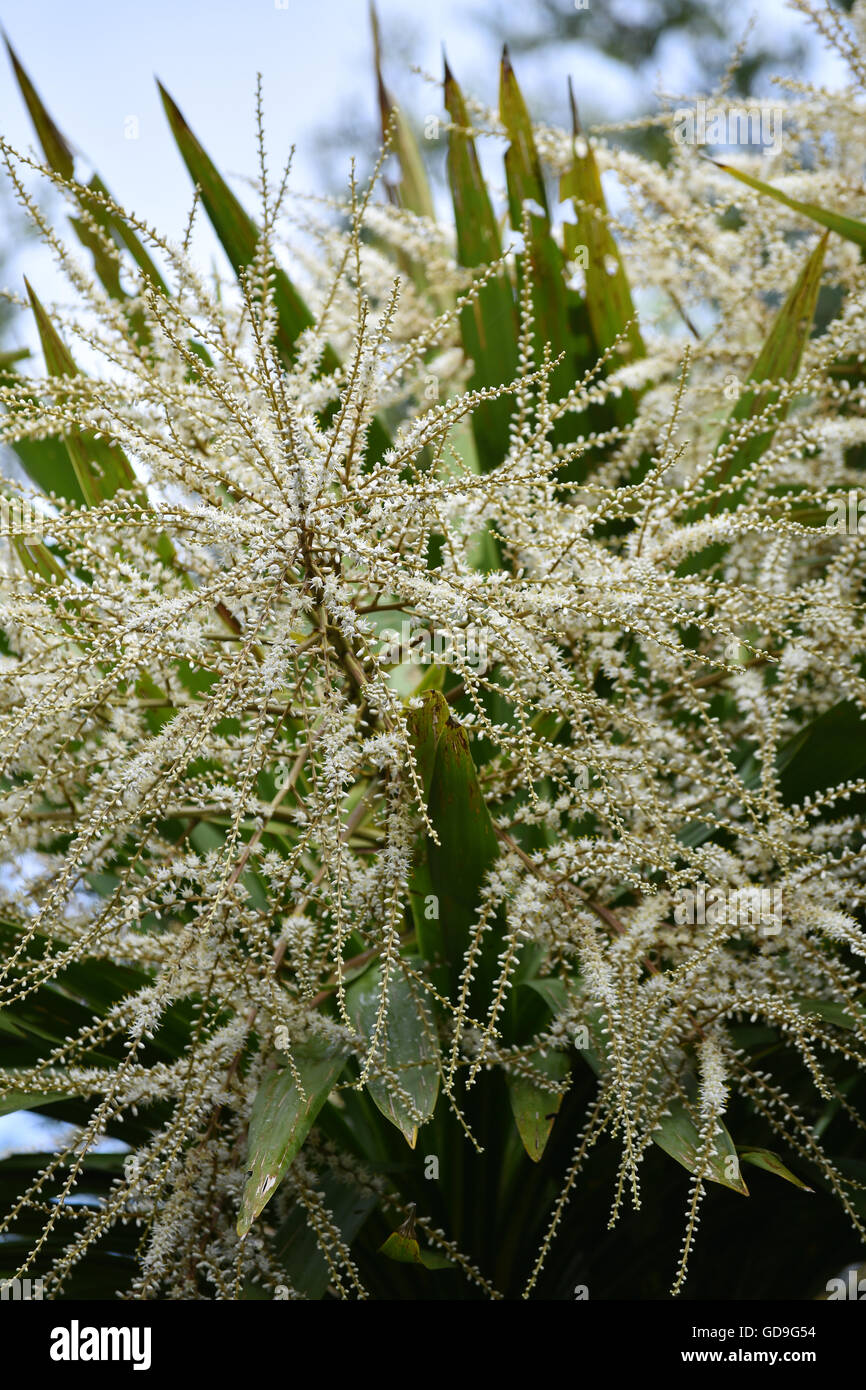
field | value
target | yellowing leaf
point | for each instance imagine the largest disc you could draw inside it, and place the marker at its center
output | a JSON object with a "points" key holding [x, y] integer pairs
{"points": [[608, 296], [402, 1246]]}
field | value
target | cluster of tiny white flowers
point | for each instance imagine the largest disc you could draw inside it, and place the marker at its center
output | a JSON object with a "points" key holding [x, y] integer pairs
{"points": [[202, 741]]}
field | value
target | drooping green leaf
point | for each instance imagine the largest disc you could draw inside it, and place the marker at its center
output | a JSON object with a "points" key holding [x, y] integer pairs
{"points": [[413, 191], [281, 1120], [404, 1076], [847, 227], [771, 1163], [679, 1137], [534, 1106]]}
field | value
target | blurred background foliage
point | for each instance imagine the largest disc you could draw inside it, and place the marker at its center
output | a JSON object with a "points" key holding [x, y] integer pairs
{"points": [[641, 43]]}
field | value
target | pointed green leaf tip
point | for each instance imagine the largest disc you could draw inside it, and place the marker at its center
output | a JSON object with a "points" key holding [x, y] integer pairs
{"points": [[239, 236], [59, 157], [489, 324], [679, 1137], [542, 258], [404, 1076], [281, 1120], [99, 469], [779, 360], [413, 191], [57, 151], [478, 237], [521, 161], [771, 1163], [235, 228], [58, 359]]}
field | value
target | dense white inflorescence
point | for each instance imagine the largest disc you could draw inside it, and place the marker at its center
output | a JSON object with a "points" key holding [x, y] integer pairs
{"points": [[205, 733]]}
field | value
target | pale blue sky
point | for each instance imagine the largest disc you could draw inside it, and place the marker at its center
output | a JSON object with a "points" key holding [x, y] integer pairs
{"points": [[94, 63]]}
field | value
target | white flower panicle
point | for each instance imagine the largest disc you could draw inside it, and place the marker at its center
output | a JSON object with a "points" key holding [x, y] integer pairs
{"points": [[213, 779]]}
